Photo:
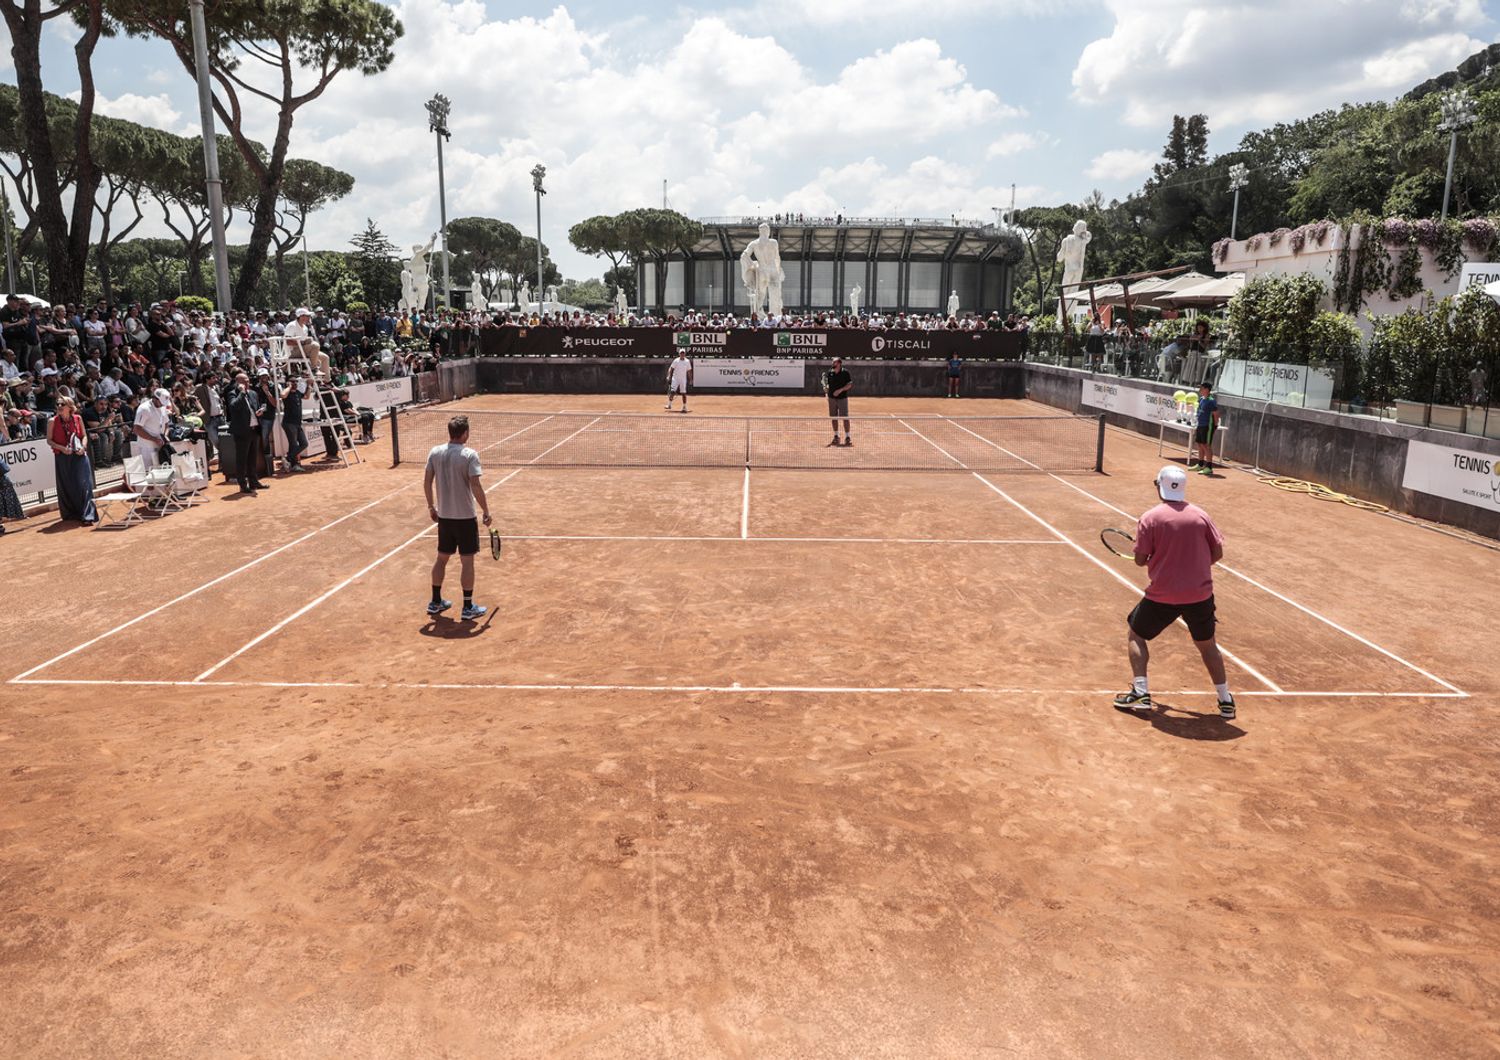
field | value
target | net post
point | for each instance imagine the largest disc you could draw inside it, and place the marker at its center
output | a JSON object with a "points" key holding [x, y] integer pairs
{"points": [[395, 438], [1099, 447]]}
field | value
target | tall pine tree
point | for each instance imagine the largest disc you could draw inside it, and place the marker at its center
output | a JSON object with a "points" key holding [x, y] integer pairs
{"points": [[375, 262]]}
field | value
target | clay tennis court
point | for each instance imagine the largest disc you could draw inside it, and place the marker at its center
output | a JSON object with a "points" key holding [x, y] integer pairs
{"points": [[773, 762]]}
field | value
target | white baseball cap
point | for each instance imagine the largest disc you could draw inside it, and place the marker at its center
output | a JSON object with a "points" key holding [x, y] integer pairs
{"points": [[1171, 483], [304, 312]]}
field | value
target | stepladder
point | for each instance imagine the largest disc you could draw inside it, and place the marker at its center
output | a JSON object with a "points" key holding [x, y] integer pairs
{"points": [[288, 360]]}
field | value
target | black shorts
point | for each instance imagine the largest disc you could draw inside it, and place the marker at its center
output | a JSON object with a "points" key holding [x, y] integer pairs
{"points": [[1151, 617], [458, 535], [1201, 435]]}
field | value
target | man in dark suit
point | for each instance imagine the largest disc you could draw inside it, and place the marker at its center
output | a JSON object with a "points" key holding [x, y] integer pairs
{"points": [[242, 405]]}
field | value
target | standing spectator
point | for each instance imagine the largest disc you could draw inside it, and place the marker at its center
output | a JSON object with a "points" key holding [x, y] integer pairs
{"points": [[10, 504], [270, 400], [291, 421], [955, 373], [68, 438], [95, 333], [213, 409], [150, 426], [105, 433], [243, 409]]}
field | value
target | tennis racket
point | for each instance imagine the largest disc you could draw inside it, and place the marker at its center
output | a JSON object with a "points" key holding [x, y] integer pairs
{"points": [[494, 543], [1118, 542], [825, 384]]}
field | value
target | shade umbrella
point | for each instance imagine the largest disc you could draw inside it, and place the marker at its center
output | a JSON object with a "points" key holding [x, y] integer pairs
{"points": [[1209, 293]]}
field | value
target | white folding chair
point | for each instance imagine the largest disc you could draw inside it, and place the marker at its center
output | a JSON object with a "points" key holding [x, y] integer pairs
{"points": [[107, 503], [154, 486], [189, 480]]}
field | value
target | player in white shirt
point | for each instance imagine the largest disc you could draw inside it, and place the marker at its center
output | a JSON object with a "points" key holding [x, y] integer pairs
{"points": [[679, 375], [452, 487]]}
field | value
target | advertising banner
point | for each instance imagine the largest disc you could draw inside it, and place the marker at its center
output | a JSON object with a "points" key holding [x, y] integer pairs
{"points": [[32, 469], [1284, 384], [809, 344], [759, 373], [1126, 400], [382, 393], [1478, 274], [1464, 475]]}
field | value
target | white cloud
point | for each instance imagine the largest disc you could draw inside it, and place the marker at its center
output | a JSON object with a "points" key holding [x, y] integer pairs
{"points": [[1121, 164], [1273, 60], [886, 13], [1014, 143], [727, 117], [156, 111]]}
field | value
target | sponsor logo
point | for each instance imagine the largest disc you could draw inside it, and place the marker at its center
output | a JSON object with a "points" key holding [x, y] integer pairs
{"points": [[569, 341], [1476, 464], [800, 339], [879, 343], [1294, 374], [700, 338], [19, 455]]}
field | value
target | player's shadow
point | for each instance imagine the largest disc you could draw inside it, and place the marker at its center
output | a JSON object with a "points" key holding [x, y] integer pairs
{"points": [[1191, 724], [454, 629]]}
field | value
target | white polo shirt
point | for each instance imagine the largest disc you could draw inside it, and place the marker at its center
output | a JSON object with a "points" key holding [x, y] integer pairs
{"points": [[453, 465], [151, 419]]}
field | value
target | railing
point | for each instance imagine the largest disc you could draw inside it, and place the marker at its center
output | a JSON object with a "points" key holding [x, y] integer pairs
{"points": [[839, 221]]}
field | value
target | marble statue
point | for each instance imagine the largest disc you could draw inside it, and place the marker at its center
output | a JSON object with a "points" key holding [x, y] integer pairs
{"points": [[622, 307], [414, 278], [551, 295], [1070, 253], [523, 297], [856, 294], [482, 294], [952, 304], [760, 269]]}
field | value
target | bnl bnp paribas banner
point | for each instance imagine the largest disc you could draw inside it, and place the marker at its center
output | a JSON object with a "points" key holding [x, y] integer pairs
{"points": [[740, 373]]}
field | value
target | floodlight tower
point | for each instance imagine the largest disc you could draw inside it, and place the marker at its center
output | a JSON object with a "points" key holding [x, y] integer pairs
{"points": [[437, 121], [1239, 176], [537, 173], [1457, 108]]}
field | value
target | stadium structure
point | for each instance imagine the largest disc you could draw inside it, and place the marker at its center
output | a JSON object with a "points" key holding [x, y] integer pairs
{"points": [[902, 264]]}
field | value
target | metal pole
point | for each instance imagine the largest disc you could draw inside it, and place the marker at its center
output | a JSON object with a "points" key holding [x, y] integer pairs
{"points": [[541, 290], [11, 279], [1448, 182], [306, 274], [443, 217], [1234, 219], [211, 160]]}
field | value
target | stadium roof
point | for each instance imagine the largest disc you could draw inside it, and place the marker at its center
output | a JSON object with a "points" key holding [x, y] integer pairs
{"points": [[853, 238]]}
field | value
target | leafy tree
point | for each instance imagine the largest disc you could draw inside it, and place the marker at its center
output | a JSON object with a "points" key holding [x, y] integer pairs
{"points": [[485, 248], [1042, 230], [589, 294], [320, 38], [602, 235], [65, 232], [374, 262], [654, 235], [624, 278], [305, 188]]}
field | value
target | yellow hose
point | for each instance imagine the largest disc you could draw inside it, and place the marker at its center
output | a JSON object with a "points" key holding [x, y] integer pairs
{"points": [[1321, 492]]}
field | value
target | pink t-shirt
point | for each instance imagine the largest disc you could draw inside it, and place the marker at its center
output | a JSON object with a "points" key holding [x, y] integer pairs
{"points": [[1178, 540]]}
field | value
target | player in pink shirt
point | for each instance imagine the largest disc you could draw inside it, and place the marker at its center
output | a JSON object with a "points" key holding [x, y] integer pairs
{"points": [[1178, 544]]}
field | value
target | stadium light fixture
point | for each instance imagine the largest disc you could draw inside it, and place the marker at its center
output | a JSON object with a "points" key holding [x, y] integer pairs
{"points": [[438, 108], [1239, 176], [1457, 109]]}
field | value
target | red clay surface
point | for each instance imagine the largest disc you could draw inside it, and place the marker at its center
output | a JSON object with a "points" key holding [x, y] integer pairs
{"points": [[766, 793]]}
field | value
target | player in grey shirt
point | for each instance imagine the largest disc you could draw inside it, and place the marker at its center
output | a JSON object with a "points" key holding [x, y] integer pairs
{"points": [[453, 475]]}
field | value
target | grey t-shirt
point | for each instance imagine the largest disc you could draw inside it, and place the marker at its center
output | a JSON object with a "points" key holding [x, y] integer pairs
{"points": [[453, 465]]}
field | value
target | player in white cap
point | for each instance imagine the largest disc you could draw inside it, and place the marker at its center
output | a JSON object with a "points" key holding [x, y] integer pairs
{"points": [[1178, 544]]}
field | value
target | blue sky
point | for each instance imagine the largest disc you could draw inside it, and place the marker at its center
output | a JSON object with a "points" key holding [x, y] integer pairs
{"points": [[909, 107]]}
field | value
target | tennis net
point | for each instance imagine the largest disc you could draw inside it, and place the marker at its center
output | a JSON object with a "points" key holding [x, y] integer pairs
{"points": [[883, 443]]}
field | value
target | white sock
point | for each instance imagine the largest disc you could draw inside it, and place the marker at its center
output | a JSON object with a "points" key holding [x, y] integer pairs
{"points": [[1223, 691], [1139, 686]]}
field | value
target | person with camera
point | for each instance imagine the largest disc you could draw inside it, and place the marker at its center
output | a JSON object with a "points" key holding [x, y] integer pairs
{"points": [[106, 434], [243, 406], [291, 421]]}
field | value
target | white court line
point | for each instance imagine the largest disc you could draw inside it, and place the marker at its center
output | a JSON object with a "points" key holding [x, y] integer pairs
{"points": [[1132, 586], [304, 609], [731, 689], [241, 569], [745, 508], [1259, 585], [805, 540]]}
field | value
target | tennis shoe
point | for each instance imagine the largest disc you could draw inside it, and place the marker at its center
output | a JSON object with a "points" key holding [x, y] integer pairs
{"points": [[1140, 702], [1226, 709], [668, 407], [472, 612], [833, 443], [439, 606], [848, 442], [1204, 469]]}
